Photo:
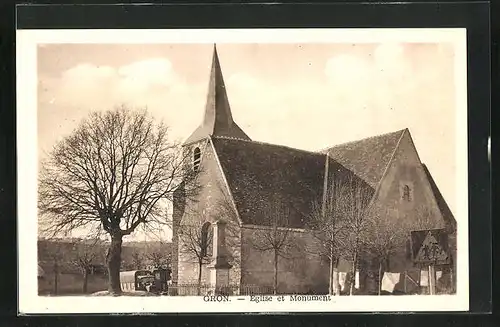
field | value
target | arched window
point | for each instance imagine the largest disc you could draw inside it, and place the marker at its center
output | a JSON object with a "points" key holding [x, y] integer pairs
{"points": [[205, 241], [196, 159], [406, 192]]}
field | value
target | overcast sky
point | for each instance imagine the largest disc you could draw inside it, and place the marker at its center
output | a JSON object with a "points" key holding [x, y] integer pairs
{"points": [[307, 96]]}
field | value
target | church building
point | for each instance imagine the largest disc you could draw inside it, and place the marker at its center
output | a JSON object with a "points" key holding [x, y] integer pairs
{"points": [[243, 183]]}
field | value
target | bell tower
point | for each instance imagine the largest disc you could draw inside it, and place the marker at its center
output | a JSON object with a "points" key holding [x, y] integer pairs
{"points": [[217, 119]]}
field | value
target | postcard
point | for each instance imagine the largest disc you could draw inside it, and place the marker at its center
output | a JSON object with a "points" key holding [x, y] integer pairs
{"points": [[249, 170]]}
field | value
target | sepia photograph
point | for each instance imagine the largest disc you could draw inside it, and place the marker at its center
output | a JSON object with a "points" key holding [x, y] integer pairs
{"points": [[242, 170]]}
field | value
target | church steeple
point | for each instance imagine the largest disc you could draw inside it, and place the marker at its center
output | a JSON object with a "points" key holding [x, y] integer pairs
{"points": [[218, 120]]}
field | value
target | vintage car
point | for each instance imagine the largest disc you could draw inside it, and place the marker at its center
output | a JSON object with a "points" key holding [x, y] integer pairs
{"points": [[136, 280]]}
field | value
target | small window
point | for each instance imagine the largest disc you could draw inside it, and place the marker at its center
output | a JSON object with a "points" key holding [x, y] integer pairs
{"points": [[196, 159], [406, 193]]}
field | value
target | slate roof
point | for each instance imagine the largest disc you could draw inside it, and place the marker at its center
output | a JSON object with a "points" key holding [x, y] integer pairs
{"points": [[367, 158], [259, 174]]}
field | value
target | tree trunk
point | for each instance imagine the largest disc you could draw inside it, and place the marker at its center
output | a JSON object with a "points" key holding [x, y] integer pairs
{"points": [[330, 277], [353, 273], [85, 280], [114, 260], [275, 285], [56, 277], [334, 274], [200, 266], [336, 283], [380, 277], [334, 287]]}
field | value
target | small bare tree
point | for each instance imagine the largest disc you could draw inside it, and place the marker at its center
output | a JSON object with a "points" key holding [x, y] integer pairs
{"points": [[195, 240], [224, 209], [338, 223], [86, 253], [356, 197], [159, 256], [385, 238], [53, 252], [275, 235], [115, 172], [325, 223], [137, 259]]}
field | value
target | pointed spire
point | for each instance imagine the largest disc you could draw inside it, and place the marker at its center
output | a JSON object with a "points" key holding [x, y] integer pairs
{"points": [[218, 120], [217, 110]]}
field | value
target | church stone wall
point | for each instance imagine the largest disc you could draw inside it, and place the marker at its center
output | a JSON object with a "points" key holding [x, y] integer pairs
{"points": [[211, 204], [179, 209], [420, 212], [301, 272]]}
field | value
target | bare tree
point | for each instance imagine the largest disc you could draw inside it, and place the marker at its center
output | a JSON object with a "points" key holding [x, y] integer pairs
{"points": [[159, 256], [53, 252], [275, 235], [325, 224], [195, 243], [113, 173], [386, 237], [338, 224], [356, 197], [86, 253], [196, 237], [137, 259], [224, 209]]}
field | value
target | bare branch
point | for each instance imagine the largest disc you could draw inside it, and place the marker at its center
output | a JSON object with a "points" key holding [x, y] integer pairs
{"points": [[117, 169]]}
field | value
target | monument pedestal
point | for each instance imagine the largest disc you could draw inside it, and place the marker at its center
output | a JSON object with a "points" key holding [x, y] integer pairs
{"points": [[219, 268], [219, 277]]}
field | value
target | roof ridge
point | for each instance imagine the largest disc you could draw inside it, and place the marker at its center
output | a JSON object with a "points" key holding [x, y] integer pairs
{"points": [[362, 139], [228, 137], [386, 168], [267, 143]]}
